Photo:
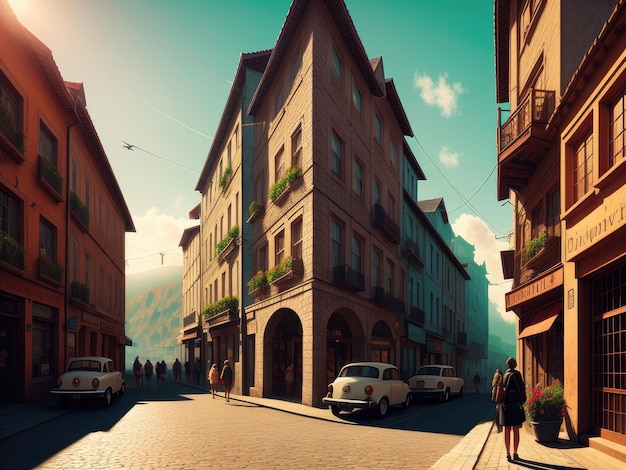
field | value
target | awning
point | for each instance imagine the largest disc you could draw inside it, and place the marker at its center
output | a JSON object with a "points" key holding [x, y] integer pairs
{"points": [[542, 321], [193, 335]]}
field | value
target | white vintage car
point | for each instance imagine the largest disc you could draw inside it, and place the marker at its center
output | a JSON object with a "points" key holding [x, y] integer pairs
{"points": [[436, 380], [367, 385], [89, 377]]}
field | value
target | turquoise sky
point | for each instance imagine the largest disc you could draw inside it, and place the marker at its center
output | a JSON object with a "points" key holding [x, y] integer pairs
{"points": [[157, 74]]}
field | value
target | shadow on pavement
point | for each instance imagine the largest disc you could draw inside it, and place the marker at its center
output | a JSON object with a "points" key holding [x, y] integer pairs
{"points": [[543, 466]]}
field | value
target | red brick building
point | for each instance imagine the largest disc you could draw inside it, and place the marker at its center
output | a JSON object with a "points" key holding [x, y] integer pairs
{"points": [[62, 224]]}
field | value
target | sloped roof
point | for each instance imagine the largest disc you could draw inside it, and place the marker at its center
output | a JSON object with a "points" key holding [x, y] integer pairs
{"points": [[256, 61], [348, 33], [188, 235]]}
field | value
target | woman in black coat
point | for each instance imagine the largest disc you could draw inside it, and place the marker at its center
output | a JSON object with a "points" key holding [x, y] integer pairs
{"points": [[513, 408]]}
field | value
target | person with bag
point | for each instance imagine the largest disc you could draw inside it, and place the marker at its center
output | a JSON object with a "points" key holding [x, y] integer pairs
{"points": [[497, 396], [214, 378], [227, 379], [513, 407]]}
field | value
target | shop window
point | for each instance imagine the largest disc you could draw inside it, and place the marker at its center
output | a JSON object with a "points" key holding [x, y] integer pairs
{"points": [[44, 318]]}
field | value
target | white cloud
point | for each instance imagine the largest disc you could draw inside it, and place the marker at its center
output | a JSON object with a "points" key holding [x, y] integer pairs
{"points": [[448, 157], [487, 248], [156, 233], [443, 95]]}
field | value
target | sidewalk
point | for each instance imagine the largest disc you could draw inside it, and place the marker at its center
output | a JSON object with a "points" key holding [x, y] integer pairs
{"points": [[482, 448]]}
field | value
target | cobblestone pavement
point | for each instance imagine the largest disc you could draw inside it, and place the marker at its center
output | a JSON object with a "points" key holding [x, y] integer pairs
{"points": [[195, 431]]}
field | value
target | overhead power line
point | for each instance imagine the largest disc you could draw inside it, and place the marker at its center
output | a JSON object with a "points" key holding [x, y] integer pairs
{"points": [[132, 147]]}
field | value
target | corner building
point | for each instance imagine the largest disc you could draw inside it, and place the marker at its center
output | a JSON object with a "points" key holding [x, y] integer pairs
{"points": [[561, 152]]}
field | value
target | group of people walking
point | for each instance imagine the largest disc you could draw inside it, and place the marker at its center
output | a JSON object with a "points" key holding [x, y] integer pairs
{"points": [[147, 370]]}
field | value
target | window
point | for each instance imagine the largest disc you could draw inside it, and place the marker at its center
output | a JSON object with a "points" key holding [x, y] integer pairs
{"points": [[378, 129], [259, 188], [279, 247], [391, 206], [537, 220], [10, 215], [337, 151], [279, 165], [11, 104], [262, 260], [357, 178], [337, 243], [296, 148], [337, 65], [47, 239], [355, 253], [356, 97], [297, 62], [296, 238], [617, 149], [583, 170], [376, 268], [229, 154], [376, 192], [393, 150], [388, 276], [47, 145], [553, 208]]}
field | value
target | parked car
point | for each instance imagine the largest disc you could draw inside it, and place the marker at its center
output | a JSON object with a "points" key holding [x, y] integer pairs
{"points": [[436, 380], [88, 378], [367, 385]]}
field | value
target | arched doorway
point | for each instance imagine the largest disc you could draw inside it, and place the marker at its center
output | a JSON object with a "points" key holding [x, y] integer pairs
{"points": [[382, 345], [339, 342], [287, 355]]}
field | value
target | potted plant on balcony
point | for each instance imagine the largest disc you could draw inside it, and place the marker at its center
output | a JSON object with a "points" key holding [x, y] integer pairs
{"points": [[534, 246], [11, 251], [225, 178], [255, 209], [229, 304], [280, 186], [545, 409], [228, 241]]}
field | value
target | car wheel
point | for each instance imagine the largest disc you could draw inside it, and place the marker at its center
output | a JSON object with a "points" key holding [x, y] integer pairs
{"points": [[108, 395], [383, 407], [445, 396], [335, 410], [122, 389], [407, 401]]}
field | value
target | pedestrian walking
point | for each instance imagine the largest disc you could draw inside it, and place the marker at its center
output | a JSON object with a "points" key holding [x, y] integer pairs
{"points": [[177, 368], [476, 381], [161, 372], [512, 414], [214, 378], [227, 379], [137, 371], [148, 370], [187, 370], [496, 381]]}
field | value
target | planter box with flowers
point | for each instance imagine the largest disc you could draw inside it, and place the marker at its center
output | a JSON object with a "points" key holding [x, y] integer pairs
{"points": [[222, 311], [545, 409], [279, 189], [255, 210], [227, 245], [226, 177], [257, 285], [540, 249], [287, 269], [49, 269]]}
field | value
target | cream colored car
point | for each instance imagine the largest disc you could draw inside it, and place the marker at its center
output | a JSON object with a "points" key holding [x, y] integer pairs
{"points": [[367, 385], [436, 380], [89, 377]]}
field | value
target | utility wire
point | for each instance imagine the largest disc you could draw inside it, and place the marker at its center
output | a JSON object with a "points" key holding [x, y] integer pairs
{"points": [[132, 147], [463, 198]]}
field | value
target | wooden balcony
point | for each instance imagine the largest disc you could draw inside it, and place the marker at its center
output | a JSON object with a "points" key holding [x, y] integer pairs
{"points": [[523, 141]]}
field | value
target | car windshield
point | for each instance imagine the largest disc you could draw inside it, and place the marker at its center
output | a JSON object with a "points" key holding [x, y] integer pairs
{"points": [[92, 366], [428, 371], [359, 371]]}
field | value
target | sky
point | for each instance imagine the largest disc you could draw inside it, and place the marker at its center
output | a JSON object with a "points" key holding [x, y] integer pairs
{"points": [[157, 74]]}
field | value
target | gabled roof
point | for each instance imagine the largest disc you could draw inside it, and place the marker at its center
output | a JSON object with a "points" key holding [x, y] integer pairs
{"points": [[71, 96], [188, 235], [256, 61], [410, 158], [433, 205], [396, 106], [348, 33]]}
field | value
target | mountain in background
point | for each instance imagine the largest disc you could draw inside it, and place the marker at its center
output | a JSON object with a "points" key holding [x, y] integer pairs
{"points": [[153, 313]]}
